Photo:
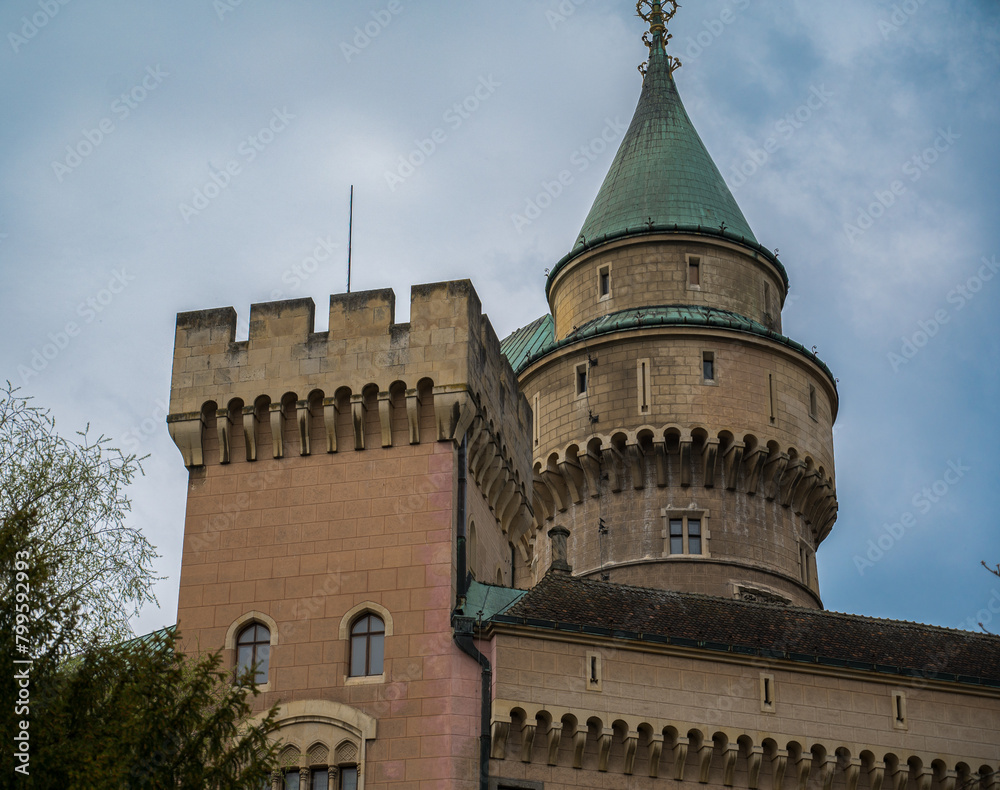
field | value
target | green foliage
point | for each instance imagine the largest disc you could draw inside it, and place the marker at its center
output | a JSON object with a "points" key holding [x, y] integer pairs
{"points": [[74, 492], [97, 714]]}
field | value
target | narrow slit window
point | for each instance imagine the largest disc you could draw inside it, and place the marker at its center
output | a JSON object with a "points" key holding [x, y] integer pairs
{"points": [[899, 710], [708, 366], [643, 382], [593, 669], [593, 672], [604, 282], [812, 401], [771, 396], [767, 693], [694, 272], [536, 413], [581, 379]]}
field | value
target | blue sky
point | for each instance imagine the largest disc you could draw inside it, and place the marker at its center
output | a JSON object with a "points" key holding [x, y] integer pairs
{"points": [[860, 139]]}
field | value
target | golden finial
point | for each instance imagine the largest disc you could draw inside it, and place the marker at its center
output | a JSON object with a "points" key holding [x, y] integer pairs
{"points": [[657, 14]]}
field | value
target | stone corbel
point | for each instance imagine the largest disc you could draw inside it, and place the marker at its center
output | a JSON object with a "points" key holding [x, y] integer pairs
{"points": [[988, 781], [876, 775], [454, 412], [655, 750], [385, 418], [331, 411], [680, 758], [573, 478], [592, 471], [186, 431], [789, 480], [852, 773], [729, 764], [709, 456], [224, 427], [541, 501], [498, 739], [614, 463], [774, 468], [660, 450], [949, 778], [250, 432], [898, 776], [413, 415], [755, 461], [754, 760], [631, 745], [635, 459], [557, 487], [805, 487], [802, 769], [604, 749], [779, 762], [731, 463], [482, 458], [685, 461], [277, 430], [553, 736], [579, 745], [826, 772], [305, 427], [705, 762], [527, 739], [358, 411], [923, 778]]}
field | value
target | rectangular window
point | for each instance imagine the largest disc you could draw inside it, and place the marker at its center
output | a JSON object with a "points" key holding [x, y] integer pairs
{"points": [[708, 366], [320, 779], [899, 711], [685, 535], [581, 379], [604, 282], [643, 385], [767, 693], [812, 401], [349, 778], [694, 272], [593, 669], [291, 780], [771, 397]]}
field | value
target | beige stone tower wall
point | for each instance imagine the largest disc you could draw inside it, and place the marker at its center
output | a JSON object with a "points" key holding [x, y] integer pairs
{"points": [[749, 452], [323, 483]]}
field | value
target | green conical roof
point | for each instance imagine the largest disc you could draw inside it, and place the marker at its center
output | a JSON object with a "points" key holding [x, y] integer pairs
{"points": [[662, 174]]}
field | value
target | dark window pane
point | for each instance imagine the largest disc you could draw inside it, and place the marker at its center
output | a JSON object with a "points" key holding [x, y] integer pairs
{"points": [[348, 779], [377, 646], [263, 659], [360, 626], [246, 636], [676, 544], [676, 527], [320, 779], [694, 526], [709, 370], [376, 626], [263, 635], [605, 283], [244, 658], [694, 545], [292, 780]]}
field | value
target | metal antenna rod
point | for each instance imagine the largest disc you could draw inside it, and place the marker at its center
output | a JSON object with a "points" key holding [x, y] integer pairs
{"points": [[350, 235]]}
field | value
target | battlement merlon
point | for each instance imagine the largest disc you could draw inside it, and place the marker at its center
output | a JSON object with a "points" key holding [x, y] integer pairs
{"points": [[448, 348]]}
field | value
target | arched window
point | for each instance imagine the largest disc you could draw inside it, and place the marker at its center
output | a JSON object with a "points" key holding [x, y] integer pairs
{"points": [[367, 646], [253, 650]]}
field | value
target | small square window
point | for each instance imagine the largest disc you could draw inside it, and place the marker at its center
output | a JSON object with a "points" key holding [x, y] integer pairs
{"points": [[684, 535], [581, 379]]}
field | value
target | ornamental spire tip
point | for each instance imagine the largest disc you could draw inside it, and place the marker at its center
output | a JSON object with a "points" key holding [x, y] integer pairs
{"points": [[657, 14]]}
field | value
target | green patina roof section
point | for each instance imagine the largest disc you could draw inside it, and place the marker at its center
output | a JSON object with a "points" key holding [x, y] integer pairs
{"points": [[537, 339], [482, 601], [662, 175], [662, 171]]}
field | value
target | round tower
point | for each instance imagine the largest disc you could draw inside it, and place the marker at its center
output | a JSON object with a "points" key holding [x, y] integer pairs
{"points": [[683, 441]]}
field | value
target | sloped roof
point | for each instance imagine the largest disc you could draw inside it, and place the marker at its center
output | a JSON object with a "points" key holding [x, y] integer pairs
{"points": [[537, 339], [810, 636]]}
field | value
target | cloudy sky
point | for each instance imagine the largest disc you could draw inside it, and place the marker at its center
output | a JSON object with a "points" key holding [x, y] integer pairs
{"points": [[163, 157]]}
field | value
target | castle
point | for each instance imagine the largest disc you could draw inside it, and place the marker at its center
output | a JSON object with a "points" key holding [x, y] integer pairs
{"points": [[583, 557]]}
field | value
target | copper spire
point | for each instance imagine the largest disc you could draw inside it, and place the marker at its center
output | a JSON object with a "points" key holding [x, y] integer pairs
{"points": [[657, 14]]}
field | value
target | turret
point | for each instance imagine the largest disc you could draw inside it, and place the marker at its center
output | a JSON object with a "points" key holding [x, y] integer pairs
{"points": [[680, 437]]}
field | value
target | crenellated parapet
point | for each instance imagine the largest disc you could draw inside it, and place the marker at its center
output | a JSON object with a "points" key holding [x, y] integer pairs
{"points": [[368, 382]]}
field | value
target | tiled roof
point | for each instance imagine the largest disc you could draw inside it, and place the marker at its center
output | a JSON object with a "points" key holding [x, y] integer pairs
{"points": [[538, 338], [767, 630]]}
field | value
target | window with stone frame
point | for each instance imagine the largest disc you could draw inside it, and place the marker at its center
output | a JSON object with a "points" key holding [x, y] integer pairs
{"points": [[685, 533], [253, 651], [367, 646]]}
